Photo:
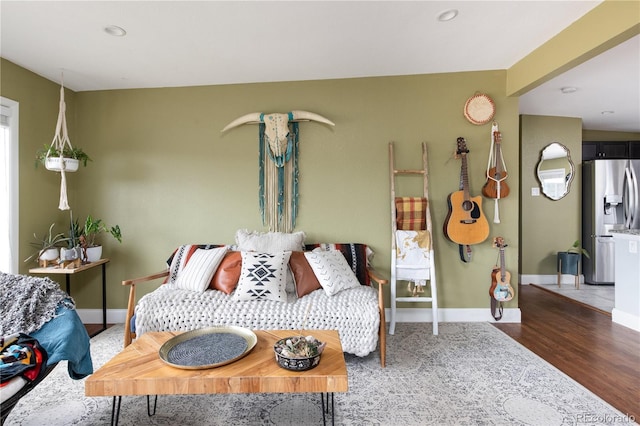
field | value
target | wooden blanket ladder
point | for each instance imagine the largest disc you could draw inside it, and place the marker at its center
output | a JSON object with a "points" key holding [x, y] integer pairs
{"points": [[409, 293]]}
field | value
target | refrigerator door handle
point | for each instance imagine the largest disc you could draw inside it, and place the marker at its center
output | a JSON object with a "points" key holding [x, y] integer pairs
{"points": [[634, 192], [629, 195]]}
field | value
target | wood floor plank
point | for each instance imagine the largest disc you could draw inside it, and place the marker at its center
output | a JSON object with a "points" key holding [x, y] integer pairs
{"points": [[583, 343]]}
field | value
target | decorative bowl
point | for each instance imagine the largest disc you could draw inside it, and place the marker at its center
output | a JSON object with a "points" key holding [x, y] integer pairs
{"points": [[298, 353]]}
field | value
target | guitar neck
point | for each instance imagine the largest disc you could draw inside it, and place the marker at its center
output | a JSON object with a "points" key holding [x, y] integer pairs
{"points": [[503, 273], [465, 178]]}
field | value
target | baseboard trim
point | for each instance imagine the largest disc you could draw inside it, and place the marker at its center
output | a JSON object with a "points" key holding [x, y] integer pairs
{"points": [[626, 319], [510, 315], [94, 316], [118, 316]]}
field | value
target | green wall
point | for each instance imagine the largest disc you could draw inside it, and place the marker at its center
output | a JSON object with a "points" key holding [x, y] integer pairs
{"points": [[548, 226], [163, 171], [39, 189]]}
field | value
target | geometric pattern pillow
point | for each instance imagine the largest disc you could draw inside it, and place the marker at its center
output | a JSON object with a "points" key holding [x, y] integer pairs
{"points": [[198, 272], [263, 276], [332, 270]]}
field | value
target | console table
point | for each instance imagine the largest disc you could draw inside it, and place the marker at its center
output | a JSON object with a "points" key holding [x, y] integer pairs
{"points": [[70, 271]]}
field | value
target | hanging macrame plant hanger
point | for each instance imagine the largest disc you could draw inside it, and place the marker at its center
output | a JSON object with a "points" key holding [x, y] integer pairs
{"points": [[55, 159]]}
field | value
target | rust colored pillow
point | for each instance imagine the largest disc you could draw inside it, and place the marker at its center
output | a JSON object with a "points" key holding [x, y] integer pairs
{"points": [[228, 273], [303, 275]]}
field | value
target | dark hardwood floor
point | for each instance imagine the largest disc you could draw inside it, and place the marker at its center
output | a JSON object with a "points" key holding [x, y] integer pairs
{"points": [[577, 339], [582, 342]]}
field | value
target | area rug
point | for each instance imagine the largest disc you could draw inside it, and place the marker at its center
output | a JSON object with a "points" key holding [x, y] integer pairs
{"points": [[470, 374]]}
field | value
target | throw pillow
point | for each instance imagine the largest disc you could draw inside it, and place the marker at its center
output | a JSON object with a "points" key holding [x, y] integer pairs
{"points": [[332, 270], [304, 277], [263, 276], [357, 255], [228, 273], [269, 242], [198, 272], [179, 258]]}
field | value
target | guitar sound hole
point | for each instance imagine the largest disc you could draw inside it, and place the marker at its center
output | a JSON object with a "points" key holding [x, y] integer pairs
{"points": [[467, 205]]}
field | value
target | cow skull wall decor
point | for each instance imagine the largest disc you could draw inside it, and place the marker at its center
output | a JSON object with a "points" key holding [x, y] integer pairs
{"points": [[278, 187]]}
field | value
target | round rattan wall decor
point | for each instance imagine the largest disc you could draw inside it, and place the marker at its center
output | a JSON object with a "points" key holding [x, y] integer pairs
{"points": [[479, 109]]}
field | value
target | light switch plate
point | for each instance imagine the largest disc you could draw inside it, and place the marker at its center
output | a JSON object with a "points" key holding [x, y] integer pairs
{"points": [[535, 191], [633, 246]]}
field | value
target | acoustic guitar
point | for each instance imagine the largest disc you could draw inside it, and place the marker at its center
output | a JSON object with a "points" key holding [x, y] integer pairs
{"points": [[465, 223], [496, 187], [501, 289]]}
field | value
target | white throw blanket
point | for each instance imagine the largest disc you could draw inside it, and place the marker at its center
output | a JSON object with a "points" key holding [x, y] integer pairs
{"points": [[413, 251], [353, 312]]}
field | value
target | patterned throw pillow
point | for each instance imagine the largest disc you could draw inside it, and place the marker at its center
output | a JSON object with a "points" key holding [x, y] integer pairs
{"points": [[180, 257], [262, 276], [198, 272], [332, 270], [357, 255]]}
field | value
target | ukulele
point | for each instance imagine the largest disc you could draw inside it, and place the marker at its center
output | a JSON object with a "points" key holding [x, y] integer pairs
{"points": [[500, 289], [495, 187], [465, 223]]}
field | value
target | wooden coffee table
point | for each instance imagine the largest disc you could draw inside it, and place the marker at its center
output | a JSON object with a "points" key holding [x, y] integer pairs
{"points": [[138, 370]]}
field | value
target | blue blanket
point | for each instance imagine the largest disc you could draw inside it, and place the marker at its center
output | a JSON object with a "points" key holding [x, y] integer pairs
{"points": [[65, 338]]}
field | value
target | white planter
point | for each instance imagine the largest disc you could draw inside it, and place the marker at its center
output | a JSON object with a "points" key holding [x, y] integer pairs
{"points": [[56, 164], [49, 254], [70, 254], [94, 253]]}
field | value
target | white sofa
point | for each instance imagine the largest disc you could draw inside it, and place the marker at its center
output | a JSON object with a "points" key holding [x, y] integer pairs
{"points": [[356, 311]]}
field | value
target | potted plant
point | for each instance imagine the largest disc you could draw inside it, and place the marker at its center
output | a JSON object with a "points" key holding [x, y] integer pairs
{"points": [[70, 158], [47, 246], [569, 260], [92, 228], [73, 251]]}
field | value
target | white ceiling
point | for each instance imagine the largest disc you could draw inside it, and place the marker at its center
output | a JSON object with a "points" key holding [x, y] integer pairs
{"points": [[190, 43]]}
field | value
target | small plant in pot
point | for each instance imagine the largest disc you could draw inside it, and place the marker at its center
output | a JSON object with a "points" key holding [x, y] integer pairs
{"points": [[51, 157], [298, 353], [73, 250], [47, 247], [569, 260], [92, 228]]}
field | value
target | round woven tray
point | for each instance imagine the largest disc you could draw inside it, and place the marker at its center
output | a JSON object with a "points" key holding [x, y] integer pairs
{"points": [[208, 347], [479, 109]]}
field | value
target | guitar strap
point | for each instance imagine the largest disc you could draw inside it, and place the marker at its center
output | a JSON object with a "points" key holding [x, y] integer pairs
{"points": [[496, 309], [465, 252]]}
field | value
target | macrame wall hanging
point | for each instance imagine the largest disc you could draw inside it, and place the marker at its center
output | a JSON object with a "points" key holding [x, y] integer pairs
{"points": [[59, 143], [278, 164]]}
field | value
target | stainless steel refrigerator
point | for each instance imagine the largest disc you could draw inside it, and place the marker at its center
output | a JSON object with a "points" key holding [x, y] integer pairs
{"points": [[609, 201]]}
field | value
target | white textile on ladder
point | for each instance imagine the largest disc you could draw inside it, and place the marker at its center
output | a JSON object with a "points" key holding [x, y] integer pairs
{"points": [[413, 251]]}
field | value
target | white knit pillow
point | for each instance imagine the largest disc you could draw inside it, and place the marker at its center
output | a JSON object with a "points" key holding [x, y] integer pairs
{"points": [[269, 242], [199, 270], [263, 276], [332, 270]]}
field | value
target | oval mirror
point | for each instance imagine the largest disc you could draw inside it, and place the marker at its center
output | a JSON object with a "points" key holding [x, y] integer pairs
{"points": [[555, 171]]}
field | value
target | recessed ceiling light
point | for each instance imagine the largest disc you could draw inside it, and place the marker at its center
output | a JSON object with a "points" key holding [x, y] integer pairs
{"points": [[115, 31], [447, 15], [569, 89]]}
